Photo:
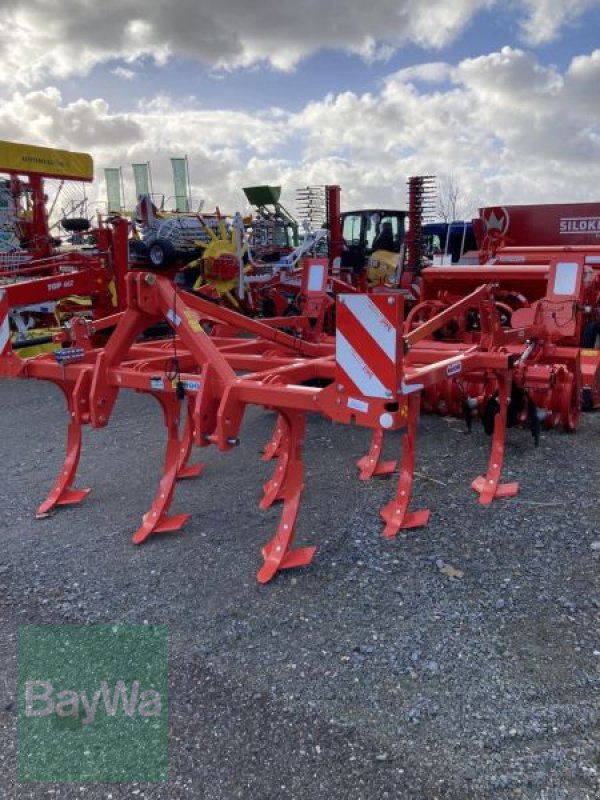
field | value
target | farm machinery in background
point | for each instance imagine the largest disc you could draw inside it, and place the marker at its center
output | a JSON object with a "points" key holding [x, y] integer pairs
{"points": [[544, 262], [366, 251], [42, 277], [540, 227]]}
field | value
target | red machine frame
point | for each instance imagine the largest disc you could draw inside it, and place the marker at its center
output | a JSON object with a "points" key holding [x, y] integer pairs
{"points": [[219, 376]]}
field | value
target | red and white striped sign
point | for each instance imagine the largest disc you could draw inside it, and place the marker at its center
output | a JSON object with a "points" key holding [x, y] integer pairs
{"points": [[367, 349], [4, 324]]}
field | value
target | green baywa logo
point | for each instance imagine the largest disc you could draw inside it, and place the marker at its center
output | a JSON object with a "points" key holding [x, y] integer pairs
{"points": [[42, 700]]}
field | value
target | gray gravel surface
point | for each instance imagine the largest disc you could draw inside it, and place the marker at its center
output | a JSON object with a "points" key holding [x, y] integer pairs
{"points": [[370, 674]]}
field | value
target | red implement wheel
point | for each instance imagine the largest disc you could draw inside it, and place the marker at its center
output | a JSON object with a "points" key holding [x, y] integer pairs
{"points": [[570, 403], [423, 312]]}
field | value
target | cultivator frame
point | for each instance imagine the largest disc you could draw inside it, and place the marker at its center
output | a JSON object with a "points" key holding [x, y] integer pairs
{"points": [[374, 375]]}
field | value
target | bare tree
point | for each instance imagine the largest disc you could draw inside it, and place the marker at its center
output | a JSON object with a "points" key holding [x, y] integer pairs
{"points": [[453, 203]]}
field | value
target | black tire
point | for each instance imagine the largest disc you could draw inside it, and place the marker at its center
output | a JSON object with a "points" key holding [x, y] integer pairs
{"points": [[587, 399], [76, 224], [137, 250], [589, 335], [161, 254], [268, 307]]}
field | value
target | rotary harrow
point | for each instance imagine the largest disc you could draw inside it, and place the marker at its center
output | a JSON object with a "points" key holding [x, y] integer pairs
{"points": [[549, 312]]}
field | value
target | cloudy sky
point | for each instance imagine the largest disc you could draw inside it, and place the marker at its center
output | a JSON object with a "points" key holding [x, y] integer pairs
{"points": [[502, 94]]}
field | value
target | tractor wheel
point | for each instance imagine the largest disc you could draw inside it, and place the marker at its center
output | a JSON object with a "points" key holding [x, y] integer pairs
{"points": [[423, 312], [137, 250], [161, 254], [75, 224]]}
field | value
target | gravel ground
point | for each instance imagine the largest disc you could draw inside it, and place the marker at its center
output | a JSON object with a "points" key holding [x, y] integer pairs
{"points": [[371, 674]]}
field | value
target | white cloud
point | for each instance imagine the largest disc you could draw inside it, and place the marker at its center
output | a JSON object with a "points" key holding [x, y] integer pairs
{"points": [[220, 144], [124, 73], [545, 19], [53, 39], [41, 117], [433, 72], [510, 128], [46, 40]]}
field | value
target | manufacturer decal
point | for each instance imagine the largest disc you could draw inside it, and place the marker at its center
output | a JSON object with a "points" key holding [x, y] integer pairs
{"points": [[191, 386], [358, 405], [496, 220], [574, 225], [52, 287], [173, 317]]}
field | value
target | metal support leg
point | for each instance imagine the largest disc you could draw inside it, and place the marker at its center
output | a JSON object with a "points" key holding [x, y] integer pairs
{"points": [[488, 486], [272, 448], [396, 514], [156, 520], [286, 484], [63, 493], [185, 470], [370, 465]]}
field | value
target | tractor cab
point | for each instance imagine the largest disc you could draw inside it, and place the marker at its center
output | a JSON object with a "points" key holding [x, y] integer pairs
{"points": [[369, 230], [450, 240]]}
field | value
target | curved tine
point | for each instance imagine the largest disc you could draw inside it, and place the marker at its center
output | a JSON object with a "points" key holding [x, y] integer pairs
{"points": [[272, 447], [156, 520], [370, 464], [396, 514], [185, 470], [273, 489], [278, 553], [63, 493], [488, 486]]}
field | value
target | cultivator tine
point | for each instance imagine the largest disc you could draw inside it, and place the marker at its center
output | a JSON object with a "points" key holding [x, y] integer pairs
{"points": [[156, 520], [535, 424], [63, 493], [370, 465], [286, 484], [396, 514], [272, 447], [185, 470], [467, 414], [488, 486]]}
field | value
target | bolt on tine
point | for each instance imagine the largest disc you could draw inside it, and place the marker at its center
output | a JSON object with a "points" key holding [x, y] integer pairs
{"points": [[156, 519], [370, 464], [278, 552], [396, 514], [488, 486]]}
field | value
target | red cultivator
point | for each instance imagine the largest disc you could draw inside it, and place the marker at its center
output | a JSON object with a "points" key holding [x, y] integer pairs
{"points": [[372, 375]]}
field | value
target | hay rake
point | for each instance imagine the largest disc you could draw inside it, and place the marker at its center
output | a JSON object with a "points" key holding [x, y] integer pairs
{"points": [[371, 374]]}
